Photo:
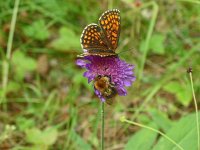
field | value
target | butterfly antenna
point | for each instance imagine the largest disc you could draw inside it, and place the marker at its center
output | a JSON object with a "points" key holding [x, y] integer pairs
{"points": [[127, 50]]}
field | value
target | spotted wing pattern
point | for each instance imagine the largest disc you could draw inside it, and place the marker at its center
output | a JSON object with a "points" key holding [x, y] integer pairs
{"points": [[110, 25], [102, 40], [91, 38]]}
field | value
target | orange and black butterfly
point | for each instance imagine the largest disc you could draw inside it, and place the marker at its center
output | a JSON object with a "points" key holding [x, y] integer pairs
{"points": [[102, 40]]}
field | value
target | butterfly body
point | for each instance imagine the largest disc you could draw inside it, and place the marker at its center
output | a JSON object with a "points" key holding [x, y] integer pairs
{"points": [[102, 40]]}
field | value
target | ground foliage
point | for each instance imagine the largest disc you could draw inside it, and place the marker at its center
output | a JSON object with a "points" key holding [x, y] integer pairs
{"points": [[50, 105]]}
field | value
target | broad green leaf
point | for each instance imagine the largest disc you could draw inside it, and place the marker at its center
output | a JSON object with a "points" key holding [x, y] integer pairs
{"points": [[185, 96], [80, 142], [184, 132], [37, 30], [173, 87], [22, 64], [181, 91], [161, 120], [142, 140], [144, 119], [67, 40], [38, 137], [34, 136], [156, 43], [50, 136]]}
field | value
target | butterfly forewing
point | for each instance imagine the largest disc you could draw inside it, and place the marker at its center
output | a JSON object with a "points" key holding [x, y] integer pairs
{"points": [[110, 25]]}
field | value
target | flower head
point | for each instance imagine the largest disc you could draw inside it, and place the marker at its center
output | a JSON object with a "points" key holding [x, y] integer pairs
{"points": [[119, 72]]}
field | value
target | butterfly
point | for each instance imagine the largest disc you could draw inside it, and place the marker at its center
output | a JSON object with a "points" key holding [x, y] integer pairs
{"points": [[102, 40]]}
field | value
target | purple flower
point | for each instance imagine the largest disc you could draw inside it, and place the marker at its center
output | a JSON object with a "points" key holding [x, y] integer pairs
{"points": [[120, 73]]}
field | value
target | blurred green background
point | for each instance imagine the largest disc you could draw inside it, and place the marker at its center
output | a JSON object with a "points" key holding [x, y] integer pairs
{"points": [[46, 103]]}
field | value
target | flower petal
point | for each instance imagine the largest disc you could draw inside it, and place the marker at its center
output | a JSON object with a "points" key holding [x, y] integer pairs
{"points": [[81, 62], [121, 91], [120, 73]]}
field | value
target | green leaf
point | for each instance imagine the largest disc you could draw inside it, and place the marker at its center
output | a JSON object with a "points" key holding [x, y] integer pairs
{"points": [[13, 86], [34, 136], [22, 64], [161, 119], [67, 40], [181, 91], [173, 87], [50, 135], [38, 137], [142, 46], [37, 30], [184, 132], [184, 96], [24, 123], [156, 43], [80, 141], [142, 140]]}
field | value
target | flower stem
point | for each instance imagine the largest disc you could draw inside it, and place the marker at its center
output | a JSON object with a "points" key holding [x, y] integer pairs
{"points": [[5, 64], [123, 119], [102, 125], [196, 108], [148, 37], [191, 1]]}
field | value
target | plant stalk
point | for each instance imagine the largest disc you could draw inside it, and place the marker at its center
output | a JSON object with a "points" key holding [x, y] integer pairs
{"points": [[148, 37], [102, 125], [196, 109], [5, 64], [123, 119]]}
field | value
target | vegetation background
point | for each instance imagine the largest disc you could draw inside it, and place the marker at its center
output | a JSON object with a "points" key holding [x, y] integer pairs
{"points": [[45, 101]]}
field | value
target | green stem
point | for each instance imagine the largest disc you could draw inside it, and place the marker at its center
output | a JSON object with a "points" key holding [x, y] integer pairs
{"points": [[8, 51], [123, 119], [102, 125], [196, 109], [191, 1], [149, 33]]}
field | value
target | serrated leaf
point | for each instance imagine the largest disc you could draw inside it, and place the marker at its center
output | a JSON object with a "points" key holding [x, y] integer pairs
{"points": [[142, 140], [183, 132], [37, 30], [67, 40]]}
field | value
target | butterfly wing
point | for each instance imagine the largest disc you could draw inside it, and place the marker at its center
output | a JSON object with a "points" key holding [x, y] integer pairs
{"points": [[110, 25], [93, 42]]}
